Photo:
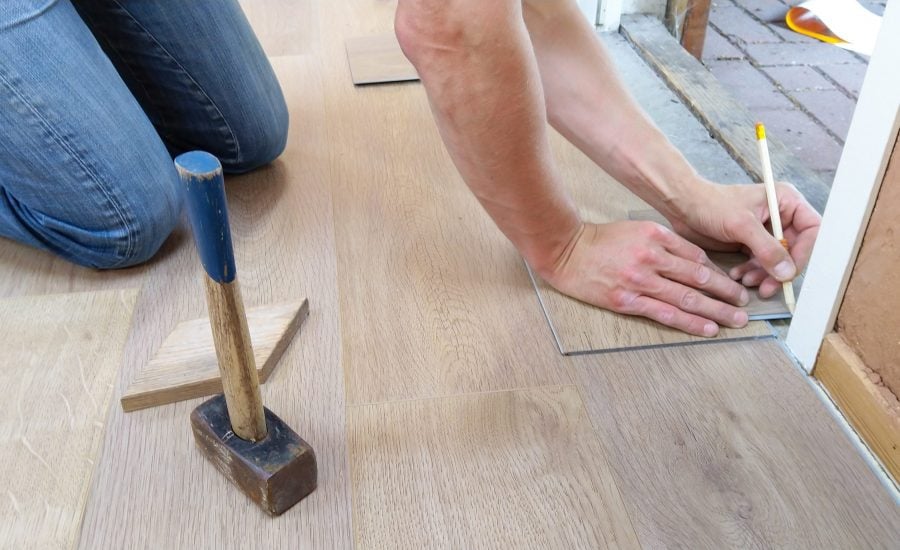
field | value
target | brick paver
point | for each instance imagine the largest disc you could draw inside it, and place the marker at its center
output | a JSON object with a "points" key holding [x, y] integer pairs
{"points": [[804, 90], [798, 77], [848, 77]]}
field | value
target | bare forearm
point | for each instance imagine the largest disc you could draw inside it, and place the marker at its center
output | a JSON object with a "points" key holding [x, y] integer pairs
{"points": [[587, 103], [484, 88]]}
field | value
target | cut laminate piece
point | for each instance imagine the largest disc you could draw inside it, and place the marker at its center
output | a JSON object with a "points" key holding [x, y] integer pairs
{"points": [[582, 328], [185, 367], [873, 410], [759, 308], [510, 469], [727, 446], [378, 59], [58, 364], [727, 119]]}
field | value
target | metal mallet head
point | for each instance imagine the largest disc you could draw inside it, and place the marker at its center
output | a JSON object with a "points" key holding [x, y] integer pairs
{"points": [[254, 448]]}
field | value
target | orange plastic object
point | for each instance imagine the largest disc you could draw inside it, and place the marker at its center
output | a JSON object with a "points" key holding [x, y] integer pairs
{"points": [[805, 22]]}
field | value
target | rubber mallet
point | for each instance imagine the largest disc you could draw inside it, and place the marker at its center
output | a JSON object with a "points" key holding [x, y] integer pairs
{"points": [[254, 448]]}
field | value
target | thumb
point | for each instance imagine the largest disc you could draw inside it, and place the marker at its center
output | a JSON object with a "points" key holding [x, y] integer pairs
{"points": [[770, 254]]}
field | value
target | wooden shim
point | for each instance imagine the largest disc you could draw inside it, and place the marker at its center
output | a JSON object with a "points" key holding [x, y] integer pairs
{"points": [[378, 59], [185, 366], [759, 309], [868, 408], [58, 364], [725, 118]]}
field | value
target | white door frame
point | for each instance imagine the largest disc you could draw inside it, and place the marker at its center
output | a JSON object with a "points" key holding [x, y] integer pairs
{"points": [[856, 184]]}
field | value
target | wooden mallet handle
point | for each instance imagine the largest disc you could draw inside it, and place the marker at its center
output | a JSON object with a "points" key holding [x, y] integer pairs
{"points": [[201, 174]]}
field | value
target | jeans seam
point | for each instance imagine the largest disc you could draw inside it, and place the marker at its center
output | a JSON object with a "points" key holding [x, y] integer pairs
{"points": [[94, 176], [237, 145]]}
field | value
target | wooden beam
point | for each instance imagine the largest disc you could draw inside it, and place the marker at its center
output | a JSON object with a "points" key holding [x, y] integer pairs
{"points": [[873, 411], [687, 21], [726, 119]]}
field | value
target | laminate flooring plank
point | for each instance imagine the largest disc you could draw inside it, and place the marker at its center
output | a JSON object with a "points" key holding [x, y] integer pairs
{"points": [[727, 446], [434, 299], [510, 469], [25, 271], [378, 59], [283, 27], [58, 363], [154, 489]]}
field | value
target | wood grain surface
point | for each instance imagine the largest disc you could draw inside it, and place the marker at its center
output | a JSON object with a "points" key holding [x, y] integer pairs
{"points": [[434, 299], [284, 27], [726, 446], [378, 59], [186, 367], [579, 327], [234, 350], [58, 363], [517, 469]]}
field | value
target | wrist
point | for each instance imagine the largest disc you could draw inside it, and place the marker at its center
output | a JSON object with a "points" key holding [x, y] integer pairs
{"points": [[546, 253]]}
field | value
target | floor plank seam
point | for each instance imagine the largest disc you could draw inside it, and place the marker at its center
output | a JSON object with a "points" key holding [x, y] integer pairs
{"points": [[671, 345], [546, 313], [454, 395]]}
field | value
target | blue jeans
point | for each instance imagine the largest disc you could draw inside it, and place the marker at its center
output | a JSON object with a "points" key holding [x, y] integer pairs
{"points": [[95, 98]]}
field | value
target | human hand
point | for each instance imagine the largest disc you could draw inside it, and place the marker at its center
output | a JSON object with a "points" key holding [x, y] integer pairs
{"points": [[642, 268], [731, 217]]}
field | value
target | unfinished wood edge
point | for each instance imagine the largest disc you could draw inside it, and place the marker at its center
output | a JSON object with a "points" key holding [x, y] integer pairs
{"points": [[843, 375], [146, 399], [135, 400], [686, 76], [286, 338]]}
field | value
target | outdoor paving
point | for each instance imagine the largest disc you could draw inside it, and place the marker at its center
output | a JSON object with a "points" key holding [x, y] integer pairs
{"points": [[803, 90]]}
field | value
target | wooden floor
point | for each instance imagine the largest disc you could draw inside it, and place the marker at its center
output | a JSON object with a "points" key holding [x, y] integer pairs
{"points": [[426, 379]]}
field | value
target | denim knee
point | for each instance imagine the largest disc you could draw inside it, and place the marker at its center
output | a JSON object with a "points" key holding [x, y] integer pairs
{"points": [[131, 237], [261, 140], [149, 219]]}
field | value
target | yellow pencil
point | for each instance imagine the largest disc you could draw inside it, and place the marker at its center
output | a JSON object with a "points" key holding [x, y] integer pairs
{"points": [[774, 215]]}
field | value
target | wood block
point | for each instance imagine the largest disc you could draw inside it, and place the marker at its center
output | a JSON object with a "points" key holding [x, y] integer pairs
{"points": [[276, 472], [58, 363], [759, 308], [185, 366], [727, 446], [512, 469], [873, 411], [378, 59]]}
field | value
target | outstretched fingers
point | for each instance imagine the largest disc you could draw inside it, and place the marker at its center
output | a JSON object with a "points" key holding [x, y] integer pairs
{"points": [[671, 316]]}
